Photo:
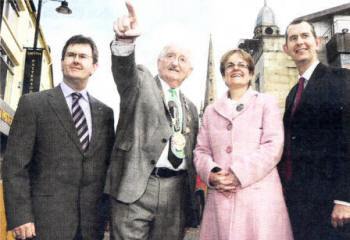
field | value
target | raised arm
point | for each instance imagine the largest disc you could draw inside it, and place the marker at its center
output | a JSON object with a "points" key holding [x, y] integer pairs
{"points": [[123, 58]]}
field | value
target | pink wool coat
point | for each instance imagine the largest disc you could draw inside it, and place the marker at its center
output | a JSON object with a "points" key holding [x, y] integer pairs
{"points": [[247, 139]]}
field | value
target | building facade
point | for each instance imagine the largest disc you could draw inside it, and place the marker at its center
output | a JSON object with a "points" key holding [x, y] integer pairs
{"points": [[275, 72], [333, 26], [17, 27]]}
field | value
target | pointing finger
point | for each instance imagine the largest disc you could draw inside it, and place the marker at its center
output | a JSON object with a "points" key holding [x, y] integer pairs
{"points": [[131, 9]]}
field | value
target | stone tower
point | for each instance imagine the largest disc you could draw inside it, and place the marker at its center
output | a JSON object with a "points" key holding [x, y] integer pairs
{"points": [[275, 72], [265, 23]]}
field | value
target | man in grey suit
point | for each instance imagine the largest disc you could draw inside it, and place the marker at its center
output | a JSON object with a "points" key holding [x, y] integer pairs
{"points": [[57, 155], [151, 177]]}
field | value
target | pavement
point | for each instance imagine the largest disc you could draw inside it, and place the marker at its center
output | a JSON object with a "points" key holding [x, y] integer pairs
{"points": [[191, 234]]}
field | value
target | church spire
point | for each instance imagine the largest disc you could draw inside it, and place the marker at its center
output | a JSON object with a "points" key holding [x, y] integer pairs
{"points": [[210, 88]]}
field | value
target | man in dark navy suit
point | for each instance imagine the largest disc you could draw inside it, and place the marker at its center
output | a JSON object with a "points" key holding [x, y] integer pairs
{"points": [[315, 165]]}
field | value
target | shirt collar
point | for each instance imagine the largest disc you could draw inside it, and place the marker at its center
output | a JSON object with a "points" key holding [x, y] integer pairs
{"points": [[67, 91], [307, 74], [166, 87]]}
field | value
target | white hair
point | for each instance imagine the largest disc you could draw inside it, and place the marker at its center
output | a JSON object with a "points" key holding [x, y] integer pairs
{"points": [[180, 46]]}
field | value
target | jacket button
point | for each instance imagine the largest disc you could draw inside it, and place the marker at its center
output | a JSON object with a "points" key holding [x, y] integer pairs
{"points": [[229, 149], [164, 140], [229, 127], [153, 162], [294, 137]]}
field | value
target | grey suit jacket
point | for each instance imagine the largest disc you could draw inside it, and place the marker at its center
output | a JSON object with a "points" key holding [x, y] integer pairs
{"points": [[142, 132], [47, 177]]}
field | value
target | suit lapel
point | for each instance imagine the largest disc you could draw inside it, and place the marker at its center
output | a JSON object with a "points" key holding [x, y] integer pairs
{"points": [[96, 121], [186, 116], [226, 109], [289, 105], [161, 100], [312, 88], [188, 124], [291, 97], [60, 107]]}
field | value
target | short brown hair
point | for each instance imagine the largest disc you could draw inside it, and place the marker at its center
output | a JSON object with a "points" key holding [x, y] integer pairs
{"points": [[298, 21], [80, 39], [246, 57]]}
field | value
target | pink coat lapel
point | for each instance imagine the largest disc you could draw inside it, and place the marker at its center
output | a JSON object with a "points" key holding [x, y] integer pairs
{"points": [[225, 108]]}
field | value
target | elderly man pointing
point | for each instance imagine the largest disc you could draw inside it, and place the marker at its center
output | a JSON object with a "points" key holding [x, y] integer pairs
{"points": [[151, 177]]}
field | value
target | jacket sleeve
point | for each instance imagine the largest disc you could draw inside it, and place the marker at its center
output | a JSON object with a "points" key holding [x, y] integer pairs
{"points": [[124, 72], [253, 167], [341, 186], [17, 164], [203, 155]]}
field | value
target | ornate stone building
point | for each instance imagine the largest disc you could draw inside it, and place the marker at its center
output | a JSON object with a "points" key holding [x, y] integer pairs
{"points": [[275, 72], [333, 26]]}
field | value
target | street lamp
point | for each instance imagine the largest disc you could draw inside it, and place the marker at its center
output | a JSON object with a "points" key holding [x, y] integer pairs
{"points": [[33, 60], [64, 9], [61, 9]]}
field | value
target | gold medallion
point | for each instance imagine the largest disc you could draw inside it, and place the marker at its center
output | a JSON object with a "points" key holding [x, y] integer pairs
{"points": [[179, 141]]}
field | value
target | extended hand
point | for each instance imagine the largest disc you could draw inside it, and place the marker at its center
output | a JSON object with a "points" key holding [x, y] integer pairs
{"points": [[340, 215], [24, 231], [126, 27]]}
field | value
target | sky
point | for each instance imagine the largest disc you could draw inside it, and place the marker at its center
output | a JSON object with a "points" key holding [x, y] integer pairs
{"points": [[189, 22]]}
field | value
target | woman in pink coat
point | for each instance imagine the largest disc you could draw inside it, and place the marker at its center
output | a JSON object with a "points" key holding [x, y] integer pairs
{"points": [[238, 147]]}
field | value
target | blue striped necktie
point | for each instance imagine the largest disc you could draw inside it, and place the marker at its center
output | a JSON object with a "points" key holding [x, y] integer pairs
{"points": [[80, 121]]}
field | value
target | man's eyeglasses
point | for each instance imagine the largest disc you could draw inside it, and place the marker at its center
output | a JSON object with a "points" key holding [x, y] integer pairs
{"points": [[81, 56]]}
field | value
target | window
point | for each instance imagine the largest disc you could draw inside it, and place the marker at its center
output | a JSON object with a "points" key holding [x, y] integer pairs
{"points": [[11, 10], [6, 66], [268, 31]]}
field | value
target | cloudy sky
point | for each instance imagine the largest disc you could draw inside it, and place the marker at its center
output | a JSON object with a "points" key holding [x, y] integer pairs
{"points": [[161, 21]]}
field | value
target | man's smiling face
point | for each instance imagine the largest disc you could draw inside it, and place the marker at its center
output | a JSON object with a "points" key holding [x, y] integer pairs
{"points": [[174, 65], [301, 44]]}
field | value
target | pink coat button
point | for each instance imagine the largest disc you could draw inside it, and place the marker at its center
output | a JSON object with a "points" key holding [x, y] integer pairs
{"points": [[229, 127], [229, 149]]}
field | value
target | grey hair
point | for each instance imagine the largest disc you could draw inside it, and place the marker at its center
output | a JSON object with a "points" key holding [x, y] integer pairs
{"points": [[166, 48]]}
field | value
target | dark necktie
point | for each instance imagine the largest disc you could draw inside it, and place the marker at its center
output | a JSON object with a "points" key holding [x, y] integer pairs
{"points": [[298, 96], [80, 121], [286, 169], [176, 143]]}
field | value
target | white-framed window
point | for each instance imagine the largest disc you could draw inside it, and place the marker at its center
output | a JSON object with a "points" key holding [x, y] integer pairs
{"points": [[6, 68]]}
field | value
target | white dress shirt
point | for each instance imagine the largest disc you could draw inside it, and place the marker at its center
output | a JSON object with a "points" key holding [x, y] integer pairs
{"points": [[163, 160], [83, 101], [307, 74]]}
